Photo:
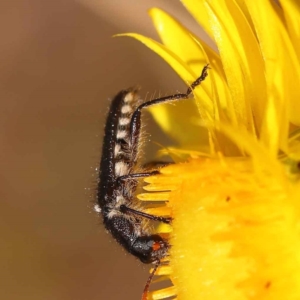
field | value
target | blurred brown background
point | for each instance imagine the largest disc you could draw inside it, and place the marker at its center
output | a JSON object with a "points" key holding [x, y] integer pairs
{"points": [[58, 68]]}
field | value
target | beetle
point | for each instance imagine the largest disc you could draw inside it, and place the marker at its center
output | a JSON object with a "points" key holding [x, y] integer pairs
{"points": [[119, 173]]}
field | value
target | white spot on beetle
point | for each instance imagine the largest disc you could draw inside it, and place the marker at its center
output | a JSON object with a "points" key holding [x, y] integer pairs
{"points": [[128, 97], [124, 121], [121, 168], [121, 134], [126, 109], [117, 149]]}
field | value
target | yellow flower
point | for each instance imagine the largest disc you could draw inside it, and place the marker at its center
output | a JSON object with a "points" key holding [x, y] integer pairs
{"points": [[236, 203]]}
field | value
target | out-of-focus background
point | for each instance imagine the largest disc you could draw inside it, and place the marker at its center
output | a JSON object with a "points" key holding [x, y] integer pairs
{"points": [[59, 66]]}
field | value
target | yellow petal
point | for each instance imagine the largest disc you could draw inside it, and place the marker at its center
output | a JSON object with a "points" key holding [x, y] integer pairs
{"points": [[176, 37], [196, 54], [178, 64], [198, 10], [281, 65], [162, 116], [291, 10], [179, 122], [243, 66]]}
